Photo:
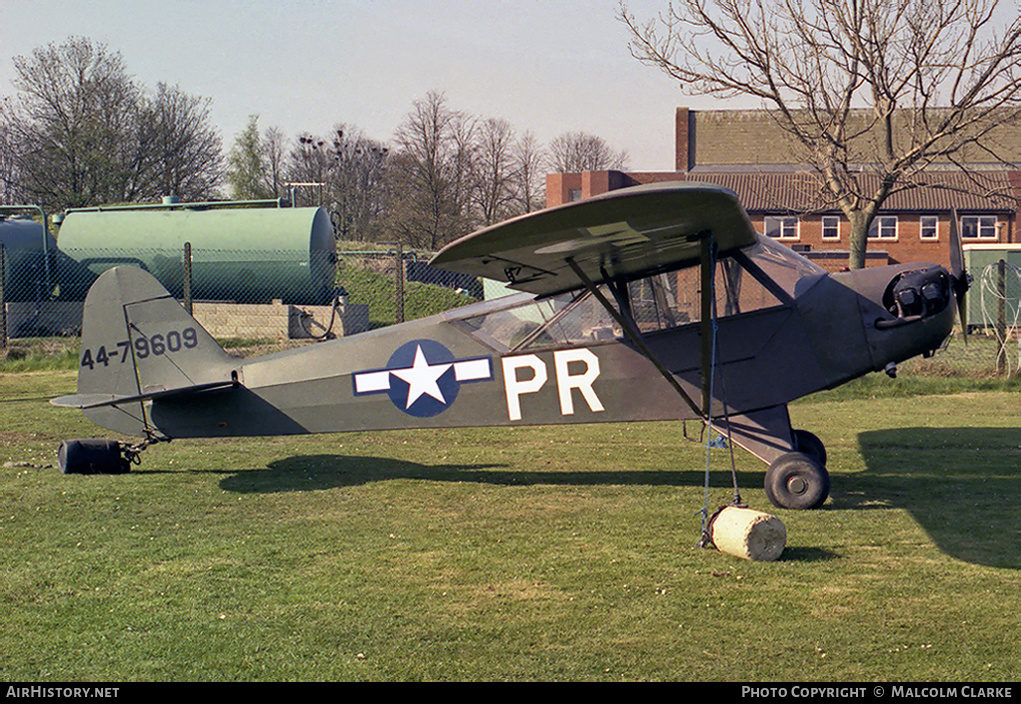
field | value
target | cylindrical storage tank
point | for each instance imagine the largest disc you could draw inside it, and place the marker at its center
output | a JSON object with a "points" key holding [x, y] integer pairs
{"points": [[28, 259], [247, 255]]}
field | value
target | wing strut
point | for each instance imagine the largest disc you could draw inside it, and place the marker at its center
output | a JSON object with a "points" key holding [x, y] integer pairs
{"points": [[707, 260], [627, 324], [707, 329]]}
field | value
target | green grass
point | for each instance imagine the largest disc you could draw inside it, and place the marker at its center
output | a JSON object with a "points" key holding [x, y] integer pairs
{"points": [[523, 554], [378, 290], [39, 354]]}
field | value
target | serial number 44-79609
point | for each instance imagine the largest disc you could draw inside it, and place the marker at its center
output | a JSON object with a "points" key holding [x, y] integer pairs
{"points": [[155, 345]]}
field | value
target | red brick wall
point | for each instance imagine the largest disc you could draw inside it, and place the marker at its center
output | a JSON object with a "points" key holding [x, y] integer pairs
{"points": [[908, 246], [559, 186], [684, 145]]}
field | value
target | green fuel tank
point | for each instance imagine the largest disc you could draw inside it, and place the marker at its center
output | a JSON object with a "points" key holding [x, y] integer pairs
{"points": [[242, 254], [28, 255]]}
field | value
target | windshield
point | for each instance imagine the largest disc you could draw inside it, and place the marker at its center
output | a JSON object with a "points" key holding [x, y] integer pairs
{"points": [[788, 269]]}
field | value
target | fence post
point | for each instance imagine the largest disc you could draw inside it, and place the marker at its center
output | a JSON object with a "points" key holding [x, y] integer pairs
{"points": [[3, 300], [187, 278], [1001, 315], [399, 285]]}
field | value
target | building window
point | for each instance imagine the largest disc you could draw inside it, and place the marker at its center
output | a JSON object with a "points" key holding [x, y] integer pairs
{"points": [[978, 227], [928, 223], [830, 227], [884, 227], [573, 195], [782, 228]]}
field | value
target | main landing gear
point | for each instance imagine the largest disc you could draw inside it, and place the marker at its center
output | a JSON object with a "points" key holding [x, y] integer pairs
{"points": [[798, 479]]}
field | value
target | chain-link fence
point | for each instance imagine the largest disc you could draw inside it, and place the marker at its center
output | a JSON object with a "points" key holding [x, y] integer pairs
{"points": [[244, 294], [271, 296]]}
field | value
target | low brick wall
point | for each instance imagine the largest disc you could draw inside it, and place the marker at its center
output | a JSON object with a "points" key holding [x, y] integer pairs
{"points": [[28, 319], [274, 321], [278, 321]]}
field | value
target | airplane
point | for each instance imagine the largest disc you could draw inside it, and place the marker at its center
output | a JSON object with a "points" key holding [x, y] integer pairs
{"points": [[656, 302]]}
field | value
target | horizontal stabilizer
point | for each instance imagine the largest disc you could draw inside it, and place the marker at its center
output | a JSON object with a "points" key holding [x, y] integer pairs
{"points": [[85, 401]]}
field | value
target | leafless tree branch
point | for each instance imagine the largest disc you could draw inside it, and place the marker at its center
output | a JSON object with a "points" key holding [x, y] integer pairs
{"points": [[878, 88]]}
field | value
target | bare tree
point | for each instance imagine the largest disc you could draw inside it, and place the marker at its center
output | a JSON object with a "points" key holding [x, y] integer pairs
{"points": [[186, 152], [274, 144], [74, 124], [82, 132], [346, 172], [459, 172], [494, 170], [429, 174], [310, 162], [356, 184], [871, 93], [572, 152], [10, 190], [529, 176]]}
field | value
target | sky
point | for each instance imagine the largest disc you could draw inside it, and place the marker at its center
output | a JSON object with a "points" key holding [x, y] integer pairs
{"points": [[545, 66]]}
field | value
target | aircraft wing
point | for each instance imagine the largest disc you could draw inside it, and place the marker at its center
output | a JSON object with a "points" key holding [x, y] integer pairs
{"points": [[623, 234]]}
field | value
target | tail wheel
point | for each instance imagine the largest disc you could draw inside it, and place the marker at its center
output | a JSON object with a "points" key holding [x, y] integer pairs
{"points": [[796, 480], [92, 457]]}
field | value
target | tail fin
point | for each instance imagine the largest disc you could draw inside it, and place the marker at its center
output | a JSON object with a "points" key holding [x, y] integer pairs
{"points": [[139, 343]]}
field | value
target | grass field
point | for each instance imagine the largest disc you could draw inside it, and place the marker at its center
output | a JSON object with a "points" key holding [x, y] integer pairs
{"points": [[518, 554]]}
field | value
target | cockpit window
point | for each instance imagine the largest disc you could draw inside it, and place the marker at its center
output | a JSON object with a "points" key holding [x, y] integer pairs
{"points": [[738, 291], [658, 302], [567, 319], [788, 269]]}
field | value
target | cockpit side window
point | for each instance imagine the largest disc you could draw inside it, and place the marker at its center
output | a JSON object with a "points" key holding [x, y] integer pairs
{"points": [[567, 319], [737, 292], [765, 275]]}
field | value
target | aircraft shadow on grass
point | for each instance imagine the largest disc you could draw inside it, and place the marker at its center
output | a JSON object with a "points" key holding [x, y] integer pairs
{"points": [[962, 485], [317, 472], [310, 472]]}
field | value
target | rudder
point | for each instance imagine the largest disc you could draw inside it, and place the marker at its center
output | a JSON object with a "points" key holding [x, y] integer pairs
{"points": [[137, 340]]}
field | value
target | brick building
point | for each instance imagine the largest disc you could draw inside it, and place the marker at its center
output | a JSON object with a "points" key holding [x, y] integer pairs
{"points": [[745, 150]]}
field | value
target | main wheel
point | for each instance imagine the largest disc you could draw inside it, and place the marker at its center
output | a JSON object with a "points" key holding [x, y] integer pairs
{"points": [[810, 445], [796, 480]]}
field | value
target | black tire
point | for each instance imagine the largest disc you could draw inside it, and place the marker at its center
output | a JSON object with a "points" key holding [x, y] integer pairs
{"points": [[810, 445], [797, 481], [92, 457]]}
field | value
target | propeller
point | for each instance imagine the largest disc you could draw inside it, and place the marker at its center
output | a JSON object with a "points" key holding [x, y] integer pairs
{"points": [[961, 278]]}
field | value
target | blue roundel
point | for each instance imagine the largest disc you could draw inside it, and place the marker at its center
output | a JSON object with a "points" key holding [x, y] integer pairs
{"points": [[422, 378]]}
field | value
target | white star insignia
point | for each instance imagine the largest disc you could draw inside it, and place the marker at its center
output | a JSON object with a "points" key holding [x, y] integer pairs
{"points": [[422, 378]]}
